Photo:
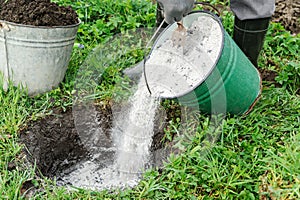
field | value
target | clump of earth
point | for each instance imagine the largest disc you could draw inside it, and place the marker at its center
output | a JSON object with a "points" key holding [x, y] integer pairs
{"points": [[288, 14], [37, 13]]}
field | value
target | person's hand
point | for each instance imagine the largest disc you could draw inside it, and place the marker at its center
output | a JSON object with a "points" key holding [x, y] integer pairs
{"points": [[175, 10]]}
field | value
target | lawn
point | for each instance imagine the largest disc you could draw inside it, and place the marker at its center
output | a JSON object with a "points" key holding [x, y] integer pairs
{"points": [[256, 156]]}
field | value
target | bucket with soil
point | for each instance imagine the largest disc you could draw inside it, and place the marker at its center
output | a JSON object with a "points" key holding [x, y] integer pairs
{"points": [[36, 42], [205, 70]]}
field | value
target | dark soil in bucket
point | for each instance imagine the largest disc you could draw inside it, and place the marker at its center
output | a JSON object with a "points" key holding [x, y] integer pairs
{"points": [[37, 13]]}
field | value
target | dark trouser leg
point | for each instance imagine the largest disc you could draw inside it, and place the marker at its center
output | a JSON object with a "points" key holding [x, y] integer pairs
{"points": [[249, 35]]}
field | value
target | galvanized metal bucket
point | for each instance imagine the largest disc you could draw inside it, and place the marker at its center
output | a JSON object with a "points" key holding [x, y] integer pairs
{"points": [[232, 85], [35, 57]]}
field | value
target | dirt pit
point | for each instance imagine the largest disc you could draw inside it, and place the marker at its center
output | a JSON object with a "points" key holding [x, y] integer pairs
{"points": [[75, 146]]}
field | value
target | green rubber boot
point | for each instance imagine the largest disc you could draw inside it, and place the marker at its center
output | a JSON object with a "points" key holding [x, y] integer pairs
{"points": [[249, 35]]}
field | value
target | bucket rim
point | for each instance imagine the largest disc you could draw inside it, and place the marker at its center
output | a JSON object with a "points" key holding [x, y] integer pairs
{"points": [[41, 27], [218, 20]]}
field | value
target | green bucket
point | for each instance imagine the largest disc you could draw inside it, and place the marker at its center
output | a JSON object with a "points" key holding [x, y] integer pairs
{"points": [[231, 84]]}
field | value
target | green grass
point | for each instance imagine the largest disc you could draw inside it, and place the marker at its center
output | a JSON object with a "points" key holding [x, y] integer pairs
{"points": [[256, 157]]}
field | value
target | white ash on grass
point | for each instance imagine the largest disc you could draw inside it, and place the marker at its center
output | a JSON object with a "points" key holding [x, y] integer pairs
{"points": [[130, 156], [174, 68]]}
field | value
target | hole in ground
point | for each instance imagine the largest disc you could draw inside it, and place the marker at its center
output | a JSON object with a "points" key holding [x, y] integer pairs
{"points": [[65, 141]]}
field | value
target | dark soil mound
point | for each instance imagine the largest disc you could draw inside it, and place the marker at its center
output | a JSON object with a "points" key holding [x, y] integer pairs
{"points": [[288, 13], [53, 143], [37, 13]]}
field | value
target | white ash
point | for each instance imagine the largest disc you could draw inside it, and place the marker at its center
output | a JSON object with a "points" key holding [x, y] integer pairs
{"points": [[173, 70], [90, 175], [132, 134], [133, 131]]}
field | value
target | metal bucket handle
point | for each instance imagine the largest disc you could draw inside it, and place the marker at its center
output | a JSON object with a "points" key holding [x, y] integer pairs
{"points": [[5, 28], [210, 5], [156, 33]]}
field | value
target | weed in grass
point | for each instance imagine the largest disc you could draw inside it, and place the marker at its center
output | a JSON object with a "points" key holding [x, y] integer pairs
{"points": [[227, 21], [14, 110], [105, 19], [281, 180], [281, 53]]}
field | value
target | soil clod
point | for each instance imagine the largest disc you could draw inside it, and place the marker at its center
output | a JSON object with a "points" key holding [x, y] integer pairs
{"points": [[37, 13]]}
